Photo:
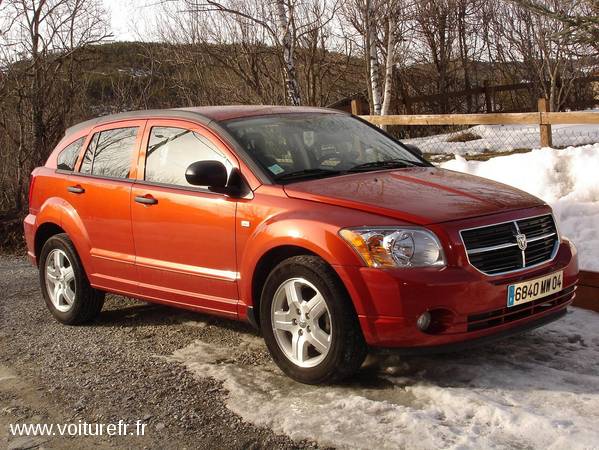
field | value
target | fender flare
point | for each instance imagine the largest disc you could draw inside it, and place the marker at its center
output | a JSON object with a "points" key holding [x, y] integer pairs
{"points": [[291, 231], [59, 212]]}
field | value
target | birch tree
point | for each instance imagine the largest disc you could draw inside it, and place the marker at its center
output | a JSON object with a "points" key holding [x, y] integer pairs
{"points": [[389, 64], [373, 58], [381, 24], [287, 41], [278, 22]]}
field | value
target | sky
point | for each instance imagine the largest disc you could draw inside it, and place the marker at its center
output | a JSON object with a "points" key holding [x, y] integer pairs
{"points": [[129, 18]]}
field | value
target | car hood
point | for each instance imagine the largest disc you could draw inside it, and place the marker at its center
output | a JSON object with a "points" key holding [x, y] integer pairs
{"points": [[420, 195]]}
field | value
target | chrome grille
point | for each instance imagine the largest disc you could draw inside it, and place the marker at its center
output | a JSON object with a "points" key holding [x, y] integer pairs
{"points": [[494, 249]]}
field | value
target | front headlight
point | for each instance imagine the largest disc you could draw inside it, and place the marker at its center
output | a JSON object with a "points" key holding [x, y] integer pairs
{"points": [[395, 247]]}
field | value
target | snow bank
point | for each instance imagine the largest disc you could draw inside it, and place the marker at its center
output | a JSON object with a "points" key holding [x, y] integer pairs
{"points": [[504, 138], [538, 390], [566, 179]]}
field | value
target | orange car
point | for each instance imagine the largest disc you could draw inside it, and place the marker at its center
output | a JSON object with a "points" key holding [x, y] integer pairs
{"points": [[318, 228]]}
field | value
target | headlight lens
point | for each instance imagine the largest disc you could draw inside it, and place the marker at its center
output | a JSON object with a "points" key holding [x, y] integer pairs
{"points": [[395, 247]]}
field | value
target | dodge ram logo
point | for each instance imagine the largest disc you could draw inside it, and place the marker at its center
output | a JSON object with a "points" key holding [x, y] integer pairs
{"points": [[521, 240]]}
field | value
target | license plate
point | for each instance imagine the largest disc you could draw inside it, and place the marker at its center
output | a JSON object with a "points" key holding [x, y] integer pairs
{"points": [[531, 290]]}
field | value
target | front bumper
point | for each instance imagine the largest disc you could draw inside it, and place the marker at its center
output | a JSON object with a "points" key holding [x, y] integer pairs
{"points": [[389, 302]]}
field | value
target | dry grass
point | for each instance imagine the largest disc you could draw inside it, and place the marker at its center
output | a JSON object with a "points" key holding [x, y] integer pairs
{"points": [[483, 156], [465, 136]]}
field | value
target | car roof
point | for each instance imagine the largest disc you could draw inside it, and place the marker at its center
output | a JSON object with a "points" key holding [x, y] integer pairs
{"points": [[228, 112], [202, 114]]}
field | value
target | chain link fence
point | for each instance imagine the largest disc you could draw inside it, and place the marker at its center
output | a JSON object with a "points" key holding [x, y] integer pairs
{"points": [[440, 137]]}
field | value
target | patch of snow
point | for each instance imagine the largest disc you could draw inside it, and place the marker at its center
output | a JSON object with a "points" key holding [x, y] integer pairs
{"points": [[537, 390], [566, 179]]}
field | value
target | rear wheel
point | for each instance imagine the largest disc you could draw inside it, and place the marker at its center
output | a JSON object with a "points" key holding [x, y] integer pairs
{"points": [[65, 286], [309, 323]]}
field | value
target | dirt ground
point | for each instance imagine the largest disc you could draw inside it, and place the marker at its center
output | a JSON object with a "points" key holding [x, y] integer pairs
{"points": [[116, 369], [195, 381]]}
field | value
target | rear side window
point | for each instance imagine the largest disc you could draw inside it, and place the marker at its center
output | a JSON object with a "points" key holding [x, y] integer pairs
{"points": [[68, 156], [172, 150], [110, 153]]}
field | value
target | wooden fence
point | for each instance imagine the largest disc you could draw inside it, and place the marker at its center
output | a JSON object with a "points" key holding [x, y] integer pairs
{"points": [[543, 118], [481, 98], [588, 290], [587, 295]]}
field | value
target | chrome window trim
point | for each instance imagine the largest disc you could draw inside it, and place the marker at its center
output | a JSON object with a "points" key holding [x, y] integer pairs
{"points": [[553, 252]]}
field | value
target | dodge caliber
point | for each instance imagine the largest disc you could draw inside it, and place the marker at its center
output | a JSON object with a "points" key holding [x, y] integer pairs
{"points": [[321, 230]]}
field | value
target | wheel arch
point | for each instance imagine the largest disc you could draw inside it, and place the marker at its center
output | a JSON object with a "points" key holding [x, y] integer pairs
{"points": [[266, 263], [44, 232], [58, 216]]}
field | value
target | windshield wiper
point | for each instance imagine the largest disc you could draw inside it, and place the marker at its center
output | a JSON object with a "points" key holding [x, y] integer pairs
{"points": [[306, 173], [388, 164]]}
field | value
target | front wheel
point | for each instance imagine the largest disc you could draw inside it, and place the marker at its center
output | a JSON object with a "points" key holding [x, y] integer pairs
{"points": [[309, 323]]}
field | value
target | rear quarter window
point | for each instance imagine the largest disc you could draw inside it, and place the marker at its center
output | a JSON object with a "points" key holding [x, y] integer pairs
{"points": [[110, 153], [68, 156]]}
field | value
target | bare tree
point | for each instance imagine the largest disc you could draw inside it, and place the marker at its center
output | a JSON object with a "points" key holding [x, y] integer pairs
{"points": [[389, 64], [40, 44], [373, 58], [436, 21], [220, 57], [538, 48], [382, 26], [277, 20], [284, 13], [581, 22], [469, 16]]}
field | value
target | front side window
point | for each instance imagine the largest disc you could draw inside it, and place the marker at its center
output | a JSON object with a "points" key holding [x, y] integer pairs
{"points": [[68, 156], [297, 146], [110, 153], [171, 151]]}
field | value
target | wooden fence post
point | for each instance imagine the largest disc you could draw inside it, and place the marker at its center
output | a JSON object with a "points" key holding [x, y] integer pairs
{"points": [[546, 138], [356, 107], [587, 294]]}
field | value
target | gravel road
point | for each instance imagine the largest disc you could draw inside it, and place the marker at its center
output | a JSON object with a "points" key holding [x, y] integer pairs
{"points": [[201, 382], [117, 368]]}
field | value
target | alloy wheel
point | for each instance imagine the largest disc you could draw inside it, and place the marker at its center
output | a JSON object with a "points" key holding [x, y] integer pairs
{"points": [[301, 322], [60, 280]]}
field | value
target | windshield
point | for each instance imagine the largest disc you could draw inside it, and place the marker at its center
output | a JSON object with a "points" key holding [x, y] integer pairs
{"points": [[299, 146]]}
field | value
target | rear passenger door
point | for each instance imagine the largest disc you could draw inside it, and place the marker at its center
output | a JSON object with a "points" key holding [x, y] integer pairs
{"points": [[184, 235], [100, 191]]}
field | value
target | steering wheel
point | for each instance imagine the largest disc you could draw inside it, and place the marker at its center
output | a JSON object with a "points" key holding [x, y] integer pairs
{"points": [[335, 155]]}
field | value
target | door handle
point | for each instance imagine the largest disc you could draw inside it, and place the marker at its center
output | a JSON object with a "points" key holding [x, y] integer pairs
{"points": [[76, 189], [146, 199]]}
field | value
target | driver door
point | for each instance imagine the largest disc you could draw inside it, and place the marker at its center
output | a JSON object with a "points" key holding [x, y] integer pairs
{"points": [[184, 235]]}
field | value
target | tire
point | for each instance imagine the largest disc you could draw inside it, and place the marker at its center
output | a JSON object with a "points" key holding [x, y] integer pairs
{"points": [[74, 302], [326, 347]]}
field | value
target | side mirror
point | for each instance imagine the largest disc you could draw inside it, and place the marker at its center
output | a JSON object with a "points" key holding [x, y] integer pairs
{"points": [[207, 173], [414, 150]]}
